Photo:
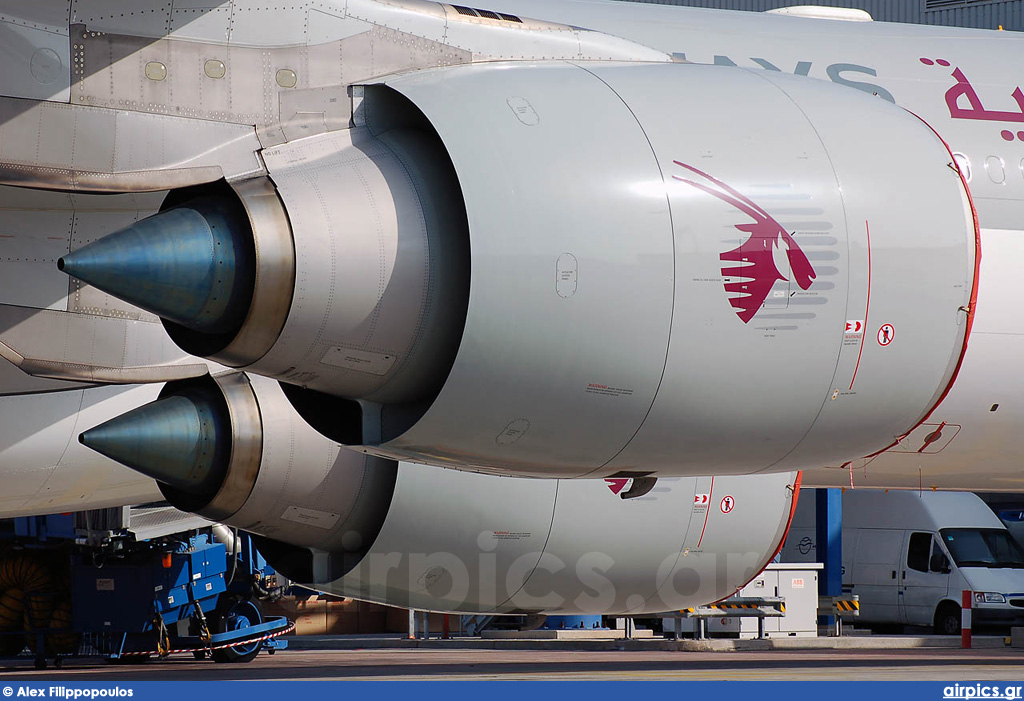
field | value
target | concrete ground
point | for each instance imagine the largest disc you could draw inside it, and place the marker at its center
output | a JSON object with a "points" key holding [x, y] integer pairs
{"points": [[375, 658], [849, 642]]}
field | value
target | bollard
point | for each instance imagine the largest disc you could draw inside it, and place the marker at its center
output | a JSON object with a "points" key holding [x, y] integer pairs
{"points": [[965, 619]]}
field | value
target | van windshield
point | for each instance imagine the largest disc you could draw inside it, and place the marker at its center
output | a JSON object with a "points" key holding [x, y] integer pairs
{"points": [[982, 547]]}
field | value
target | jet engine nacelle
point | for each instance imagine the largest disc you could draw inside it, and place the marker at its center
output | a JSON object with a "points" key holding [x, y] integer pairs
{"points": [[436, 539], [459, 541], [597, 269], [691, 269]]}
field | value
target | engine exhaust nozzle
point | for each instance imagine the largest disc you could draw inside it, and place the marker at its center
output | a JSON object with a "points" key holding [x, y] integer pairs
{"points": [[193, 265], [201, 440], [180, 441]]}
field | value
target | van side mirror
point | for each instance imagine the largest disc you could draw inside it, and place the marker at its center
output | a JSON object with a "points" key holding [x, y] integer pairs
{"points": [[939, 563]]}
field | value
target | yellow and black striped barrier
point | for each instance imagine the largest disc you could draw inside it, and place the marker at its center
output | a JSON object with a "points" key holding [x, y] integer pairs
{"points": [[779, 605], [759, 607], [847, 605], [844, 605], [739, 606]]}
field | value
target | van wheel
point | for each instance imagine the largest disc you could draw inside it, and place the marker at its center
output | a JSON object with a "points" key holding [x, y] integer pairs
{"points": [[947, 619]]}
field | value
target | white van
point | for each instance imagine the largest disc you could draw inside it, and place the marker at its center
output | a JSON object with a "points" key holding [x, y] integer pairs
{"points": [[909, 555]]}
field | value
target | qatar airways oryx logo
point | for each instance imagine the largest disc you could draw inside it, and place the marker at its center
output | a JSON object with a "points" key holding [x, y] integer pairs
{"points": [[754, 259]]}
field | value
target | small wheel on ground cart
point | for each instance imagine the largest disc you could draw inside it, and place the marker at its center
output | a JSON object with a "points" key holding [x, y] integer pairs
{"points": [[237, 613]]}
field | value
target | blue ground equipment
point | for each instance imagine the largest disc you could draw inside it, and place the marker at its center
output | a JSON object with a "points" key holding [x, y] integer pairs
{"points": [[67, 590]]}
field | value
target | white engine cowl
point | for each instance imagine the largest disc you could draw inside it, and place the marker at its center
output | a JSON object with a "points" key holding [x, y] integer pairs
{"points": [[456, 541], [682, 269]]}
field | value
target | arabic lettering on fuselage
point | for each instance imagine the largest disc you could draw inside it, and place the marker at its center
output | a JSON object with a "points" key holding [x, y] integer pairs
{"points": [[962, 91]]}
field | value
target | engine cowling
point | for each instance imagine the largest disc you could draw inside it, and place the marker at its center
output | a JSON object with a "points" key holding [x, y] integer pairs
{"points": [[672, 269], [458, 541], [233, 449], [715, 270]]}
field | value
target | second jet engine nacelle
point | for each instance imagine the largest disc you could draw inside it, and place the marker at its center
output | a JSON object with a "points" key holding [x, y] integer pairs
{"points": [[424, 537], [596, 269], [457, 541]]}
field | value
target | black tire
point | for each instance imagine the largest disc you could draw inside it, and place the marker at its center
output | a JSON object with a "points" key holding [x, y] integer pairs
{"points": [[237, 613], [947, 619]]}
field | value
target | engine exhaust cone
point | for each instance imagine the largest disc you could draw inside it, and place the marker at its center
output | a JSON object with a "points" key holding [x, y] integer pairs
{"points": [[193, 265], [180, 441]]}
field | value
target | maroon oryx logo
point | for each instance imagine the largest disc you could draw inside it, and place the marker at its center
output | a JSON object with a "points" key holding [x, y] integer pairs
{"points": [[754, 257]]}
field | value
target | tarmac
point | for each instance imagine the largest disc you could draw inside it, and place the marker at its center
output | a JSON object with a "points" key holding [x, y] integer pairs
{"points": [[855, 657], [848, 642]]}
